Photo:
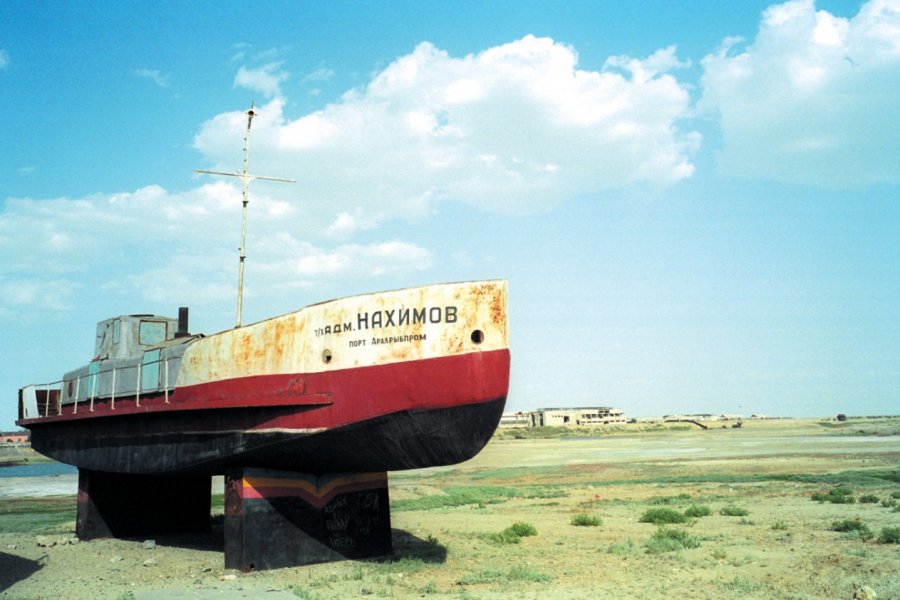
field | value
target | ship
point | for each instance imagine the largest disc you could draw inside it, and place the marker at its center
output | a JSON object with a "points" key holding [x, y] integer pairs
{"points": [[386, 381], [378, 382]]}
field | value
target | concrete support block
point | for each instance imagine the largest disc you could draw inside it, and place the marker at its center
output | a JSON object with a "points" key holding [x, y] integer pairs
{"points": [[279, 519], [122, 505]]}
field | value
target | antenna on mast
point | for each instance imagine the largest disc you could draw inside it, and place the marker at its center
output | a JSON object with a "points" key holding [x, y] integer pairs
{"points": [[245, 178]]}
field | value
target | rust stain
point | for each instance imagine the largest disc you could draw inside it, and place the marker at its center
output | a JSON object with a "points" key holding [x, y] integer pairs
{"points": [[296, 343]]}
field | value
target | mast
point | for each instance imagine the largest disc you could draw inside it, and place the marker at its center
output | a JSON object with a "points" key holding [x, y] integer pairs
{"points": [[245, 177]]}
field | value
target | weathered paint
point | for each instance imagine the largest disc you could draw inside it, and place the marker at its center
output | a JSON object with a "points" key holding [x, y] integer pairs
{"points": [[411, 378], [356, 332]]}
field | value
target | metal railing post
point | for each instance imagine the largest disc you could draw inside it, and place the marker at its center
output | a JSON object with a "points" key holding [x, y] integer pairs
{"points": [[167, 380], [138, 383]]}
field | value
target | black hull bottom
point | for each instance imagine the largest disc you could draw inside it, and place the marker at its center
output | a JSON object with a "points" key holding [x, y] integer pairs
{"points": [[166, 443]]}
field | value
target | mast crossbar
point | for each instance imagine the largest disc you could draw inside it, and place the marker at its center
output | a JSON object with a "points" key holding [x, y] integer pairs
{"points": [[245, 177]]}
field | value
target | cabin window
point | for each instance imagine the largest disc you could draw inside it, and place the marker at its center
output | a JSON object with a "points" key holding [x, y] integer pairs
{"points": [[152, 333]]}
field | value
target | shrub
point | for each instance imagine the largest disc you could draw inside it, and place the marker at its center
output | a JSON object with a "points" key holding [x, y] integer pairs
{"points": [[890, 535], [841, 499], [694, 511], [523, 529], [679, 499], [670, 540], [513, 534], [779, 526], [869, 499], [504, 537], [586, 520], [895, 495], [734, 511], [662, 516], [839, 495], [889, 503], [853, 526]]}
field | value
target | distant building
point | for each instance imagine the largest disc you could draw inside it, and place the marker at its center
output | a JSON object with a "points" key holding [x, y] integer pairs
{"points": [[564, 417], [576, 416], [14, 437], [516, 419]]}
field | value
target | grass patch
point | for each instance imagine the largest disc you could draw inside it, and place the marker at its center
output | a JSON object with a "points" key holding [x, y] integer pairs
{"points": [[670, 540], [507, 473], [546, 432], [743, 586], [869, 478], [516, 573], [854, 527], [889, 535], [482, 576], [586, 520], [521, 573], [869, 499], [302, 593], [734, 511], [779, 526], [662, 516], [622, 548], [513, 534], [455, 496], [695, 511], [36, 515], [839, 495], [523, 529], [679, 499]]}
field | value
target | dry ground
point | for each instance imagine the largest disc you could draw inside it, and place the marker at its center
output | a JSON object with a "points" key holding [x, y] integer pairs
{"points": [[448, 526]]}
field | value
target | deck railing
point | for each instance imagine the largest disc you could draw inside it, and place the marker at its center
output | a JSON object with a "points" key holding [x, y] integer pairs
{"points": [[129, 381]]}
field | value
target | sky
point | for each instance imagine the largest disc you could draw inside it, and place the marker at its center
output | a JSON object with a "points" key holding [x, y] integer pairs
{"points": [[695, 204]]}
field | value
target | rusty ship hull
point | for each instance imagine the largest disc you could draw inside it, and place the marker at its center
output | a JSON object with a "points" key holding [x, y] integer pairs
{"points": [[387, 381]]}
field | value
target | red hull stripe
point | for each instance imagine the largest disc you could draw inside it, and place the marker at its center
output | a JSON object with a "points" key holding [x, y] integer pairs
{"points": [[329, 399]]}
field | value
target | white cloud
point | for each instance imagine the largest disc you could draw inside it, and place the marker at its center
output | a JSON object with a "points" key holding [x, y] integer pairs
{"points": [[155, 76], [813, 98], [320, 74], [240, 51], [4, 59], [266, 79], [34, 294], [419, 132], [515, 128], [155, 246], [361, 260], [346, 224]]}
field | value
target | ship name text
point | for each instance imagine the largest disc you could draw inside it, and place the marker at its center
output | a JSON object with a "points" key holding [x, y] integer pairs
{"points": [[392, 318]]}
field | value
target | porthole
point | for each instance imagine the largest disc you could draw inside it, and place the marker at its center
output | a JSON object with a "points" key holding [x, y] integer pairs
{"points": [[477, 336]]}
